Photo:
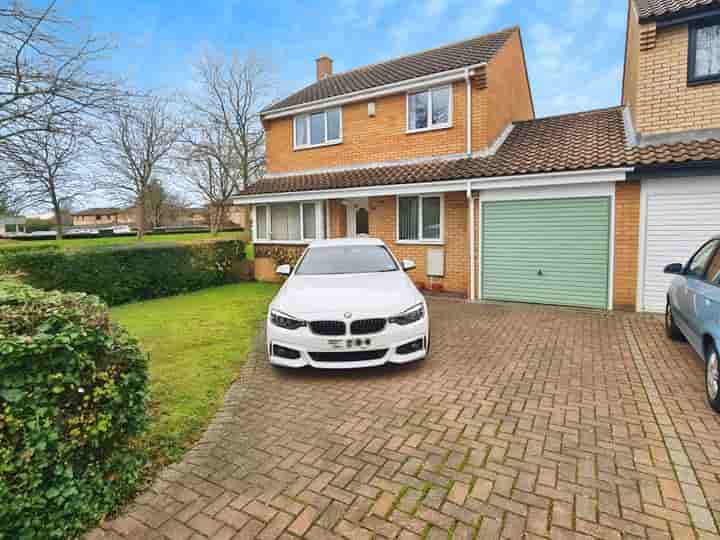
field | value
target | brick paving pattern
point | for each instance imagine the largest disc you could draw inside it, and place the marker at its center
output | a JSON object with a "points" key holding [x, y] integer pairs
{"points": [[525, 422]]}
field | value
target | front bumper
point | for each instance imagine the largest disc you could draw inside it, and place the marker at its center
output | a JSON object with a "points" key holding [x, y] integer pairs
{"points": [[305, 343]]}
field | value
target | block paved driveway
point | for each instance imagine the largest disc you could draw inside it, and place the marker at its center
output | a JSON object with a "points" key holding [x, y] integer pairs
{"points": [[525, 422]]}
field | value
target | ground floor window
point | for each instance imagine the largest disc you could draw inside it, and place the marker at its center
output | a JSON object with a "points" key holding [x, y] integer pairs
{"points": [[420, 218], [288, 222]]}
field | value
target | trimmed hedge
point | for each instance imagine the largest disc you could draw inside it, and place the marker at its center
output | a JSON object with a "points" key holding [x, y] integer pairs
{"points": [[16, 248], [72, 404], [119, 274]]}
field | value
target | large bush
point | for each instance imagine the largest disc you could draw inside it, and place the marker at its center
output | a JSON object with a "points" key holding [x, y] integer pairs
{"points": [[120, 274], [72, 403]]}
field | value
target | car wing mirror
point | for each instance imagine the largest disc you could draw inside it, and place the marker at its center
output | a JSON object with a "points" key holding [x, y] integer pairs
{"points": [[283, 270], [408, 264], [674, 268]]}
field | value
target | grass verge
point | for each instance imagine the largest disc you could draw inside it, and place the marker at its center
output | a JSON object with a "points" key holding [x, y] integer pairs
{"points": [[197, 343]]}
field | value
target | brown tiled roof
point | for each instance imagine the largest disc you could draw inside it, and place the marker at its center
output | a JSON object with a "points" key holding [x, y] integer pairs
{"points": [[572, 142], [456, 55], [98, 211], [653, 9]]}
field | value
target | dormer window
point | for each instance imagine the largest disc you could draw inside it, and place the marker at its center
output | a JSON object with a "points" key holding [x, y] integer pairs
{"points": [[704, 52], [429, 109], [318, 129]]}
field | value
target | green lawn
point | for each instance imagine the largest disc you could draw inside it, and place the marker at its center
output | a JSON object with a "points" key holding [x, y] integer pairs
{"points": [[197, 343]]}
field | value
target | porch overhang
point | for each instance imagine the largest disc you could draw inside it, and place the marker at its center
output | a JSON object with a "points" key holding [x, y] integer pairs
{"points": [[618, 174]]}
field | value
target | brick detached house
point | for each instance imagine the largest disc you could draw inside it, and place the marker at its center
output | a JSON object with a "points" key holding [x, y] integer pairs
{"points": [[439, 154], [103, 217]]}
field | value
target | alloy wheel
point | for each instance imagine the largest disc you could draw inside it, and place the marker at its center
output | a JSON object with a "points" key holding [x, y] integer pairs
{"points": [[712, 375]]}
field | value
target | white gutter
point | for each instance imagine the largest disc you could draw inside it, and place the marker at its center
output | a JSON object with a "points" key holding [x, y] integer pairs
{"points": [[471, 229], [497, 182], [468, 111], [377, 91]]}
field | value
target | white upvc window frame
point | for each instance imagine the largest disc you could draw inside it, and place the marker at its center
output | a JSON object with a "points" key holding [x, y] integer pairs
{"points": [[307, 116], [319, 223], [420, 239], [430, 126]]}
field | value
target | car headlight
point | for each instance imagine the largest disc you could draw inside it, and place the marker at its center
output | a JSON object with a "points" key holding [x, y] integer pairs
{"points": [[409, 316], [288, 322]]}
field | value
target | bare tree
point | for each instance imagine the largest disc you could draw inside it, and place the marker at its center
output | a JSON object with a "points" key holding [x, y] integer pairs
{"points": [[231, 94], [138, 146], [48, 167], [43, 73], [157, 197], [211, 170]]}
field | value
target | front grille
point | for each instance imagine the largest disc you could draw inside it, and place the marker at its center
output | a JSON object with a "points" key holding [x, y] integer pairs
{"points": [[367, 326], [348, 356], [328, 328]]}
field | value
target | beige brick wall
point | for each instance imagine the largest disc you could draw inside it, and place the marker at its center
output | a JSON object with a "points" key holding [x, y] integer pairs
{"points": [[632, 54], [457, 268], [656, 85], [337, 221], [627, 230]]}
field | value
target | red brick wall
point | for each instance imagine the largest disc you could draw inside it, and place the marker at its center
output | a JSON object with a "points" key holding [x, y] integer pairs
{"points": [[368, 139], [384, 137], [383, 224], [627, 230]]}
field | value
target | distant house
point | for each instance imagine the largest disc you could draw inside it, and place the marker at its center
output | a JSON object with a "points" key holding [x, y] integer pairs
{"points": [[235, 216], [12, 225], [93, 217]]}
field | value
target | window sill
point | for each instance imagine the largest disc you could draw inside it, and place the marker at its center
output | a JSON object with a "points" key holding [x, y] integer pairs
{"points": [[425, 130], [420, 242], [311, 146], [707, 80]]}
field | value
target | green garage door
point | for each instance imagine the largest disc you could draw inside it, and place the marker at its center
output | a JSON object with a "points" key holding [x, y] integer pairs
{"points": [[550, 251]]}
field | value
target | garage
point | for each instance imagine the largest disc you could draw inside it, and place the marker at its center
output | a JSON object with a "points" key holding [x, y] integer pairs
{"points": [[546, 251], [677, 216]]}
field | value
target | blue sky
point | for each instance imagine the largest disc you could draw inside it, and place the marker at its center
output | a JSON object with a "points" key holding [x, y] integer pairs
{"points": [[574, 48]]}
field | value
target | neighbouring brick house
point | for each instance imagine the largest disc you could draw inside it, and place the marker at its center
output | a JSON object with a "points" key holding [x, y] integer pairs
{"points": [[235, 216], [94, 217], [439, 154]]}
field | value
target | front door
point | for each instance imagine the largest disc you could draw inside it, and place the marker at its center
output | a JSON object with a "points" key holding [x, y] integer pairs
{"points": [[357, 217], [361, 221]]}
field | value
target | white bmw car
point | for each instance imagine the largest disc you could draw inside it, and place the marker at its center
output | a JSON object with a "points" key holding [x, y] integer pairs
{"points": [[348, 303]]}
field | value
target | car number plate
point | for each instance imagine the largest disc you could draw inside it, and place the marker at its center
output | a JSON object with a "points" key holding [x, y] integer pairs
{"points": [[350, 343]]}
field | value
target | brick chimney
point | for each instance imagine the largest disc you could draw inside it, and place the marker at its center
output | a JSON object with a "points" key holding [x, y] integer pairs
{"points": [[323, 67]]}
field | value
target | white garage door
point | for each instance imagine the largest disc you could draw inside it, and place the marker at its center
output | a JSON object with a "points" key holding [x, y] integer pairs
{"points": [[681, 214]]}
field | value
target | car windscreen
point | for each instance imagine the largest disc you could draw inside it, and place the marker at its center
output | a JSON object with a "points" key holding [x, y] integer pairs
{"points": [[346, 260]]}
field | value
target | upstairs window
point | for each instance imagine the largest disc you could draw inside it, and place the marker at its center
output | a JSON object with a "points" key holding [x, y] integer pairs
{"points": [[430, 109], [704, 52], [318, 128]]}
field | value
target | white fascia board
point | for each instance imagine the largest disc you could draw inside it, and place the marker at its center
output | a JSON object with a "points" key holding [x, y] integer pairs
{"points": [[377, 91], [500, 182], [342, 193], [552, 179]]}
